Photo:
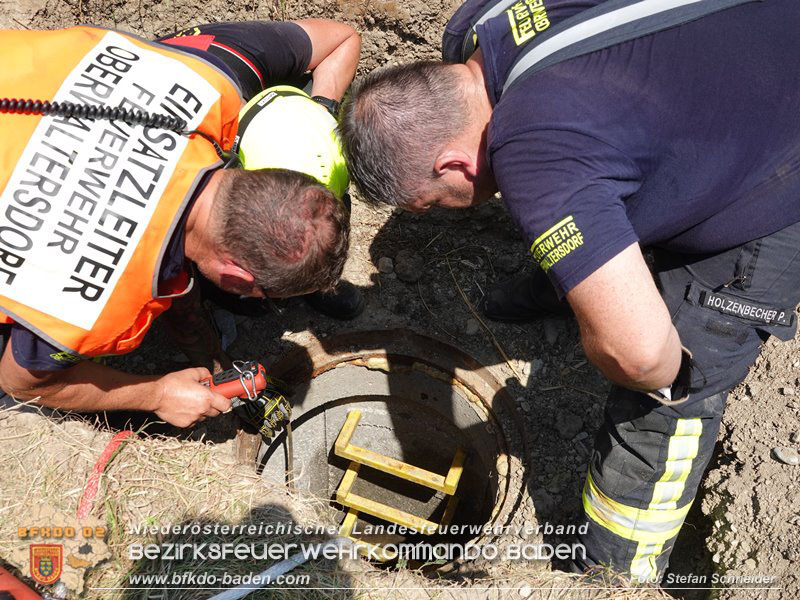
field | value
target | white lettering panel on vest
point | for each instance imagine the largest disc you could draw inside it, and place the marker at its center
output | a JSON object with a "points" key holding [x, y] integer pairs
{"points": [[83, 192]]}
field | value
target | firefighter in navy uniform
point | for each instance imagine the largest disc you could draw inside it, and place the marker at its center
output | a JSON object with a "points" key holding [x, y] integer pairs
{"points": [[683, 140]]}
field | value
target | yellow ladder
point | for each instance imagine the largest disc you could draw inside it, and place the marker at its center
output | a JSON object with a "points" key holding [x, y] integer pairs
{"points": [[357, 456]]}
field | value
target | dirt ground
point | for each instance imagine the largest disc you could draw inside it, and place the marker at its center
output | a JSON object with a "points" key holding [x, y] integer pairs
{"points": [[746, 520]]}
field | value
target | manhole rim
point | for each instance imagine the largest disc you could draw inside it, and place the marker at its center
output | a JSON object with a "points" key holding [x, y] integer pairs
{"points": [[314, 357]]}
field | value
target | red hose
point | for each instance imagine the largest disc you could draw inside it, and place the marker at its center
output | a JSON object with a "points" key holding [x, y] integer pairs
{"points": [[17, 589], [90, 491]]}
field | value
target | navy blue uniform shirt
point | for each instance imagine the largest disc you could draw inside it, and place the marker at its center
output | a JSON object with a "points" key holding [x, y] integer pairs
{"points": [[687, 139], [255, 55]]}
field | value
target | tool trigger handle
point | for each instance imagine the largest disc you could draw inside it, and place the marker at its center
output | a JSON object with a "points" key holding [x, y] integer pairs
{"points": [[242, 382]]}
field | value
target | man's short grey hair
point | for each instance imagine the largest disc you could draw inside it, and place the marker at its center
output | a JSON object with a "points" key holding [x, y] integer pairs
{"points": [[394, 123]]}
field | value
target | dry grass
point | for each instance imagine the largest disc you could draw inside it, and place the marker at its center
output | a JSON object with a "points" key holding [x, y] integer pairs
{"points": [[157, 480], [153, 481]]}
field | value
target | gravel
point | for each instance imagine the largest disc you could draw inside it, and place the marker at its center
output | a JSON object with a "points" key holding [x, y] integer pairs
{"points": [[385, 264], [550, 331], [472, 327], [787, 456], [568, 425], [408, 265]]}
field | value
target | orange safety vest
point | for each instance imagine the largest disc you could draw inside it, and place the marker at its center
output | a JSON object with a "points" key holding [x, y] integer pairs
{"points": [[87, 207]]}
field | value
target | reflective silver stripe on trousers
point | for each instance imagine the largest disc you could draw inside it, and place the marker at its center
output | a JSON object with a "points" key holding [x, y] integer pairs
{"points": [[639, 522]]}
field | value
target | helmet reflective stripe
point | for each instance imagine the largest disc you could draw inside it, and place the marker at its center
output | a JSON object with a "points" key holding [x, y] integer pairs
{"points": [[283, 128]]}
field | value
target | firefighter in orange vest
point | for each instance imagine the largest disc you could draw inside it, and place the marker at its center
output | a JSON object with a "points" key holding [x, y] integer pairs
{"points": [[100, 219], [316, 55]]}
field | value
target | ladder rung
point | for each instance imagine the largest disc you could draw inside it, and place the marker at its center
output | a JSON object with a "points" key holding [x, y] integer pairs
{"points": [[398, 468], [364, 547], [388, 513]]}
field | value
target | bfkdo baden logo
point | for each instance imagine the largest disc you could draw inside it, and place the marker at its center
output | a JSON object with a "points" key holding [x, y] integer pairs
{"points": [[58, 547], [46, 562]]}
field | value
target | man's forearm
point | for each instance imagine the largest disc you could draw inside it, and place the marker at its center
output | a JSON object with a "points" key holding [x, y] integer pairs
{"points": [[85, 387], [626, 328], [333, 75], [179, 397], [335, 50], [645, 373], [662, 368]]}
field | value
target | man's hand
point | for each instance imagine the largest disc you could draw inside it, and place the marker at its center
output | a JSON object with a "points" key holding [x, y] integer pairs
{"points": [[183, 401], [179, 398], [626, 329]]}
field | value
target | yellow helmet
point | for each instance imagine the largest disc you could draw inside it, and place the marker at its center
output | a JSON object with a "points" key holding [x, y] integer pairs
{"points": [[283, 128]]}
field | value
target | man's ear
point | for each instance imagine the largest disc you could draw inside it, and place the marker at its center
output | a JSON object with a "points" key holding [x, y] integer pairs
{"points": [[235, 278], [455, 160]]}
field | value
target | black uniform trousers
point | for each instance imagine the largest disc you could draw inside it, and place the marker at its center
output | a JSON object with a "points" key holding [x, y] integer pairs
{"points": [[649, 457]]}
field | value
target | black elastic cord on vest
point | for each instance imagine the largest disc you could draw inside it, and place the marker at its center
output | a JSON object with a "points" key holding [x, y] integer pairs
{"points": [[107, 113], [94, 113]]}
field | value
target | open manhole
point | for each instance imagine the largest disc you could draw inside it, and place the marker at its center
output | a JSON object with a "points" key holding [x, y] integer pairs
{"points": [[420, 401]]}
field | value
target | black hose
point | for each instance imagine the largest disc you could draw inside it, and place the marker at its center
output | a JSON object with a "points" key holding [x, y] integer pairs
{"points": [[107, 113], [87, 111]]}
